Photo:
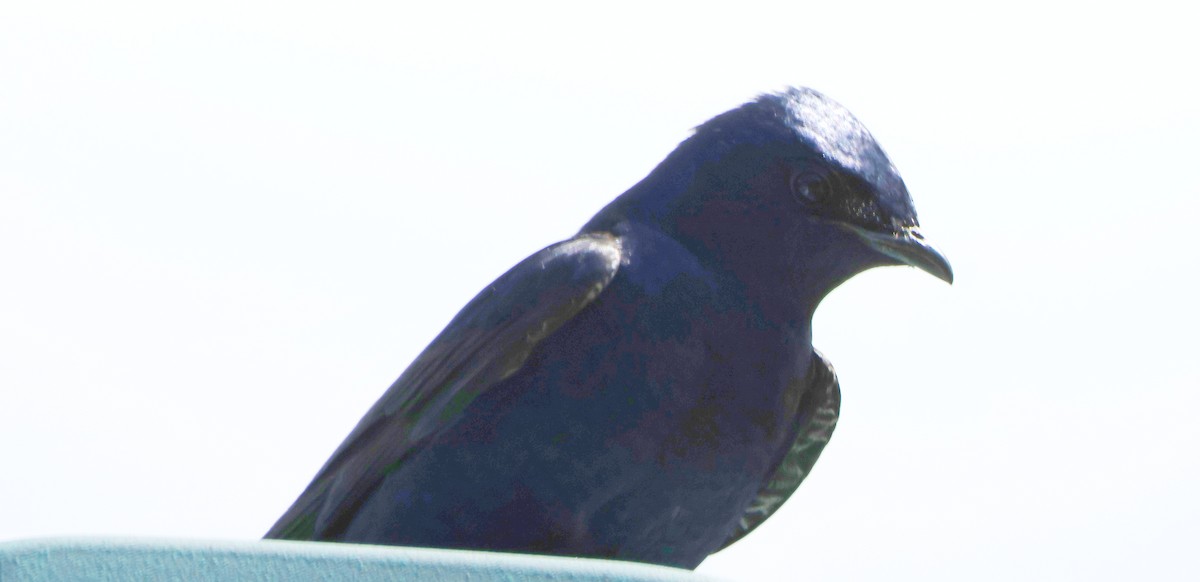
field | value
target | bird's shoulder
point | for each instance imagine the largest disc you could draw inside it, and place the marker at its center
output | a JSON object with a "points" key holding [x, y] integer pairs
{"points": [[653, 261], [493, 334]]}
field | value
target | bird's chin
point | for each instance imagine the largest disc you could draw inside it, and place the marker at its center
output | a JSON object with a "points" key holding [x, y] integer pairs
{"points": [[908, 247]]}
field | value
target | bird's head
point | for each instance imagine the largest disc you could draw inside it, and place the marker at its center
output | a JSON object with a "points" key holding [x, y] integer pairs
{"points": [[844, 178], [790, 181]]}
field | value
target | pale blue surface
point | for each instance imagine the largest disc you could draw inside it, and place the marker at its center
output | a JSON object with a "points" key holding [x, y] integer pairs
{"points": [[62, 559]]}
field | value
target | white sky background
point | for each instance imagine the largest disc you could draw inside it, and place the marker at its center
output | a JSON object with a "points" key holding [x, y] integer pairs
{"points": [[225, 229]]}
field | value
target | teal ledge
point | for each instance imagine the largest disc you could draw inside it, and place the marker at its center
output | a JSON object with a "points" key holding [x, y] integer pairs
{"points": [[104, 559]]}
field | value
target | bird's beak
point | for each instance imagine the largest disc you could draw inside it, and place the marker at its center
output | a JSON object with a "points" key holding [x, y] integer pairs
{"points": [[908, 246]]}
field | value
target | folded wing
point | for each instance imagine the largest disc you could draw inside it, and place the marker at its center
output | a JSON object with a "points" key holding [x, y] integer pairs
{"points": [[485, 343]]}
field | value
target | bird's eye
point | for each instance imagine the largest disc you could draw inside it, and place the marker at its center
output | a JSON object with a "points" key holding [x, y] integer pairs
{"points": [[809, 188]]}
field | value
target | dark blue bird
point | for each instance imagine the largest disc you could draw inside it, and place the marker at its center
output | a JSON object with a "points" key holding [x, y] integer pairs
{"points": [[647, 390]]}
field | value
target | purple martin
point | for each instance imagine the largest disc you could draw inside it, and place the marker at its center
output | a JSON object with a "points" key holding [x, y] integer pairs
{"points": [[646, 390]]}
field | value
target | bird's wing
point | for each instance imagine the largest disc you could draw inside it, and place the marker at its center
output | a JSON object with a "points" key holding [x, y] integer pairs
{"points": [[485, 343], [816, 417]]}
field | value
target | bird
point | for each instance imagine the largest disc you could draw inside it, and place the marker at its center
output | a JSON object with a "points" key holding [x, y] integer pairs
{"points": [[646, 390]]}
